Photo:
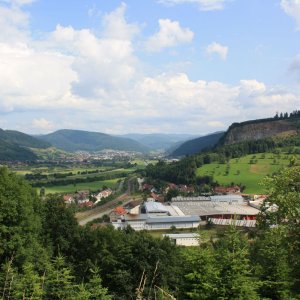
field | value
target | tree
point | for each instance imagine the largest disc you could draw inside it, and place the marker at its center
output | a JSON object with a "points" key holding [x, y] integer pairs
{"points": [[236, 280], [271, 258], [20, 221], [59, 281], [60, 226], [282, 208], [200, 274]]}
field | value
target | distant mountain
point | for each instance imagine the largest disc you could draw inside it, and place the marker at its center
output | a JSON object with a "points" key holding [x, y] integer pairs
{"points": [[22, 139], [14, 146], [73, 140], [261, 129], [196, 145], [159, 141]]}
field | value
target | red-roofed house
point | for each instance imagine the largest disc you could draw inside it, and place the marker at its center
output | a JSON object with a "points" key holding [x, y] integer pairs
{"points": [[68, 199], [117, 213], [86, 204], [227, 190]]}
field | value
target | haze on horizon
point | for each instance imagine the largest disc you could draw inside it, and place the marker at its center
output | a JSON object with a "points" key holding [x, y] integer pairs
{"points": [[175, 66]]}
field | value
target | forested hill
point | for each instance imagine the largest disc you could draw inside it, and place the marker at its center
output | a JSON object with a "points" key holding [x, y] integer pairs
{"points": [[283, 127], [196, 145], [14, 146], [74, 140], [22, 139], [159, 141]]}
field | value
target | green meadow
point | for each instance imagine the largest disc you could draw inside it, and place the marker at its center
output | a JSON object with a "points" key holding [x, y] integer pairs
{"points": [[248, 170], [72, 188]]}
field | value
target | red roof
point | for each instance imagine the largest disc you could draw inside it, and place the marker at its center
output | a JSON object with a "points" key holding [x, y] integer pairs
{"points": [[87, 204], [120, 210]]}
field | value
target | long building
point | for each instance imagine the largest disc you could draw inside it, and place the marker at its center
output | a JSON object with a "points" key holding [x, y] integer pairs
{"points": [[156, 216]]}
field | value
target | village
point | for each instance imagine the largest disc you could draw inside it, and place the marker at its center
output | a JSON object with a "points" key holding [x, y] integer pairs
{"points": [[187, 211]]}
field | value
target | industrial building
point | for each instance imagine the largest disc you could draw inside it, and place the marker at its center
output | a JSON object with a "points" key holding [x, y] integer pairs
{"points": [[184, 239]]}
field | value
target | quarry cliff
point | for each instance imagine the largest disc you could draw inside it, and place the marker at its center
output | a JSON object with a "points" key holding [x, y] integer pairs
{"points": [[261, 129]]}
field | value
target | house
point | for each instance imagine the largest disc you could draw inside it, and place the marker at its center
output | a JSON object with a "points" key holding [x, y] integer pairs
{"points": [[147, 187], [68, 199], [170, 186], [82, 196], [186, 189], [157, 198], [86, 204], [117, 213], [103, 194], [227, 190]]}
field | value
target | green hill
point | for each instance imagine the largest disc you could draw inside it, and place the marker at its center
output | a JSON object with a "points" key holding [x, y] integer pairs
{"points": [[74, 140], [14, 146], [248, 170], [196, 145], [22, 139], [13, 152]]}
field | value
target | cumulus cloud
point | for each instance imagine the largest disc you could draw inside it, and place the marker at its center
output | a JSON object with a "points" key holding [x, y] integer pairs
{"points": [[292, 8], [32, 78], [204, 5], [251, 87], [42, 125], [83, 79], [101, 63], [218, 49], [116, 26], [14, 25], [170, 34]]}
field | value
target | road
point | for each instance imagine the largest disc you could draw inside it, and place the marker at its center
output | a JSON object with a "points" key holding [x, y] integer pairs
{"points": [[90, 215]]}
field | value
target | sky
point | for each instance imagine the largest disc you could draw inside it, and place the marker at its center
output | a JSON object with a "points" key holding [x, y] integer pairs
{"points": [[146, 66]]}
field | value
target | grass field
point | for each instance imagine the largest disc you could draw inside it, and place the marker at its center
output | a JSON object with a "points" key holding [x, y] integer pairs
{"points": [[248, 170], [112, 183]]}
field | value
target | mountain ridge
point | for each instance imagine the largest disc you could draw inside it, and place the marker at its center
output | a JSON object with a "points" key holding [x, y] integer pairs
{"points": [[75, 140]]}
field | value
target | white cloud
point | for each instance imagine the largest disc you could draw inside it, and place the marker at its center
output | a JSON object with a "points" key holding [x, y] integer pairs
{"points": [[42, 125], [116, 26], [252, 87], [292, 8], [32, 78], [83, 79], [215, 48], [18, 2], [101, 63], [204, 5], [216, 124], [170, 34], [14, 25]]}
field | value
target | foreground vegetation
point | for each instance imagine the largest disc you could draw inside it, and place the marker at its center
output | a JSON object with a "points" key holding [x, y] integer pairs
{"points": [[44, 254]]}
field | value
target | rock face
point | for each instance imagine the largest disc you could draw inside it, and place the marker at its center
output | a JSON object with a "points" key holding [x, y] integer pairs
{"points": [[260, 129]]}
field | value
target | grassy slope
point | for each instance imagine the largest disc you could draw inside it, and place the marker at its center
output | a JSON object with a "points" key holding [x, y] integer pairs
{"points": [[250, 175]]}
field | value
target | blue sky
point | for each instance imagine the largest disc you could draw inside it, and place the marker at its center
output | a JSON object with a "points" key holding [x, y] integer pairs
{"points": [[175, 66]]}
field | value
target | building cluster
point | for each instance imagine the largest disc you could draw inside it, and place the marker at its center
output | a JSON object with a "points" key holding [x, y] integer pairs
{"points": [[187, 212], [85, 198]]}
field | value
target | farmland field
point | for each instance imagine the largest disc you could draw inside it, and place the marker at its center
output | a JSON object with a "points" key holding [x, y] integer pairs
{"points": [[248, 170]]}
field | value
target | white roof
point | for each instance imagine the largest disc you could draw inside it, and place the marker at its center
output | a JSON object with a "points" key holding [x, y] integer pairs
{"points": [[182, 235], [205, 208]]}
